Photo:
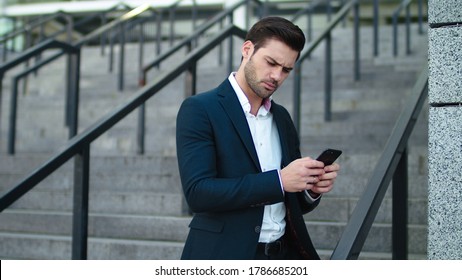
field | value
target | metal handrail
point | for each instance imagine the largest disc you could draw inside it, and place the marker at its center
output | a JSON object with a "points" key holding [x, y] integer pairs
{"points": [[392, 162], [405, 4], [107, 27], [395, 15], [308, 10], [72, 88], [39, 22], [325, 36], [71, 84], [120, 23], [73, 69], [186, 42], [132, 14], [29, 27], [32, 25], [79, 146]]}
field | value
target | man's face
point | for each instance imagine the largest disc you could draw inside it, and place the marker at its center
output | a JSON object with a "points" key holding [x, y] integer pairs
{"points": [[266, 69]]}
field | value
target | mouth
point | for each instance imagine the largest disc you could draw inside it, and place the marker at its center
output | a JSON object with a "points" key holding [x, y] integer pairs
{"points": [[270, 86]]}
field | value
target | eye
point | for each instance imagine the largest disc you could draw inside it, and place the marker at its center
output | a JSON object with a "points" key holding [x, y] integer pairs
{"points": [[286, 70]]}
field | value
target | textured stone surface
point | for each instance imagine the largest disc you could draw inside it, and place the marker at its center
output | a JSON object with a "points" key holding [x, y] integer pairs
{"points": [[444, 11], [445, 130], [445, 183], [445, 65]]}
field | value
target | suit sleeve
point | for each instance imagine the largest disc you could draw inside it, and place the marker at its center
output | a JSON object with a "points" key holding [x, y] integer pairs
{"points": [[197, 151]]}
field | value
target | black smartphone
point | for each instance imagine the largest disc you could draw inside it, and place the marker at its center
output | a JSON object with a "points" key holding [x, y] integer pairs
{"points": [[329, 156]]}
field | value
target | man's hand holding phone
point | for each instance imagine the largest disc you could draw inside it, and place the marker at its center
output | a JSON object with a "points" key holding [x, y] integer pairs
{"points": [[309, 174], [326, 180]]}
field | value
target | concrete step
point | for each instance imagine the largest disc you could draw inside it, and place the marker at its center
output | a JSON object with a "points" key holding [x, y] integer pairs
{"points": [[143, 185], [137, 209], [154, 182], [348, 108], [335, 207], [161, 173], [36, 246], [96, 101], [134, 165], [133, 227], [27, 246], [166, 231], [127, 202]]}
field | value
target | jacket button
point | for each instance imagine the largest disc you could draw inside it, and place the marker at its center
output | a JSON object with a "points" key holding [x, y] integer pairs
{"points": [[257, 229]]}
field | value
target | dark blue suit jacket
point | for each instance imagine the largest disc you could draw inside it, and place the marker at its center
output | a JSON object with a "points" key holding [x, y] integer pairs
{"points": [[224, 184]]}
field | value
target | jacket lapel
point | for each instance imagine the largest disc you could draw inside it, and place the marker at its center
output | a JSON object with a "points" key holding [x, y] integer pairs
{"points": [[278, 117], [233, 109]]}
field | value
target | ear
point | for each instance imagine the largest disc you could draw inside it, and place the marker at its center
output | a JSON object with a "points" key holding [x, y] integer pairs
{"points": [[247, 49]]}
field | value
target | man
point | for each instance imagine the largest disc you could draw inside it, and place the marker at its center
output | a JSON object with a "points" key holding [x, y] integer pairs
{"points": [[239, 158]]}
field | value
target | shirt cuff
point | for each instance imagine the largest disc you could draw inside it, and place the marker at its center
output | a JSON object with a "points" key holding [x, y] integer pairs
{"points": [[310, 198], [280, 182], [307, 194]]}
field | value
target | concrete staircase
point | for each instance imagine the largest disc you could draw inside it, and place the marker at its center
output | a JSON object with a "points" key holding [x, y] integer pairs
{"points": [[136, 203]]}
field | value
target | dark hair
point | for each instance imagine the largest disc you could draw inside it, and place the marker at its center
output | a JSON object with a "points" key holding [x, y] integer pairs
{"points": [[276, 28]]}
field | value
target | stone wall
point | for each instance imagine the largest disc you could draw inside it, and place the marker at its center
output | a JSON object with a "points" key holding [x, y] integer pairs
{"points": [[445, 130]]}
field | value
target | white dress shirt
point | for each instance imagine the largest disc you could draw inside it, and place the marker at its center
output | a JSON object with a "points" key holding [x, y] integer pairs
{"points": [[268, 146]]}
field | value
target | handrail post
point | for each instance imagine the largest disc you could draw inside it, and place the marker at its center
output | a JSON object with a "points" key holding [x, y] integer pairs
{"points": [[68, 117], [266, 8], [121, 56], [141, 39], [80, 212], [5, 49], [74, 93], [13, 113], [171, 15], [376, 27], [141, 128], [329, 10], [328, 78], [111, 52], [395, 34], [309, 24], [230, 47], [408, 29], [420, 8], [400, 209], [220, 48], [194, 15], [41, 37], [1, 98], [141, 132], [357, 54], [297, 95], [159, 33], [405, 4], [103, 36], [248, 12], [191, 76]]}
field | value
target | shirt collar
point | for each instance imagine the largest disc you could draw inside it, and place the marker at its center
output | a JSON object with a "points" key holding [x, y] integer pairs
{"points": [[263, 110]]}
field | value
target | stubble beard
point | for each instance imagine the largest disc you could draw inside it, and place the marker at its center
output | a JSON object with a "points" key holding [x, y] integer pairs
{"points": [[254, 83]]}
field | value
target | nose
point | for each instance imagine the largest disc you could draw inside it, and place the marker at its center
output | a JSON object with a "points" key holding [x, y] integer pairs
{"points": [[276, 75]]}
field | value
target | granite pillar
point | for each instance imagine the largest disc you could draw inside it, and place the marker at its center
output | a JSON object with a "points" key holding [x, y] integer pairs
{"points": [[445, 130]]}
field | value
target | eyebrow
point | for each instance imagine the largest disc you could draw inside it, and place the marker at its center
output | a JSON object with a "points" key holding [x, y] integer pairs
{"points": [[277, 63]]}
